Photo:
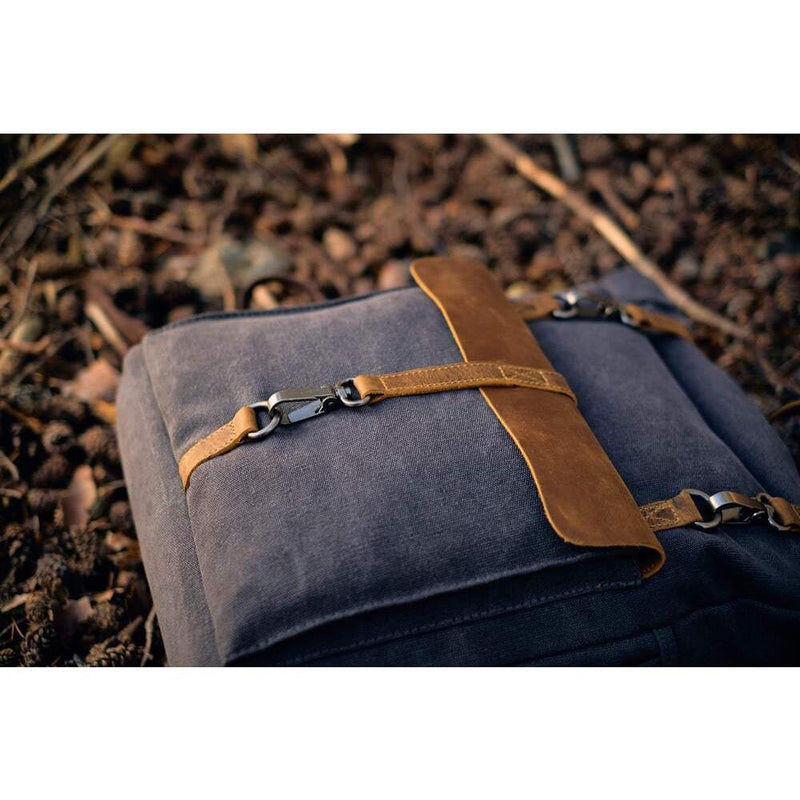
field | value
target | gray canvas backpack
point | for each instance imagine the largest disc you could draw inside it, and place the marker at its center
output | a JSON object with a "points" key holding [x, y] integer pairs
{"points": [[563, 481]]}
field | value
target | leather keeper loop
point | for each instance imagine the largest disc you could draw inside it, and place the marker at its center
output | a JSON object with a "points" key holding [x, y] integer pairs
{"points": [[465, 375]]}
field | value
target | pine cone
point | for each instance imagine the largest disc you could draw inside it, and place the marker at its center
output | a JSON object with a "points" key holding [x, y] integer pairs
{"points": [[120, 516], [40, 645], [39, 609], [114, 653], [51, 570], [57, 437], [85, 548], [43, 502], [67, 408], [8, 658], [106, 620], [100, 444], [18, 544], [54, 473], [787, 295]]}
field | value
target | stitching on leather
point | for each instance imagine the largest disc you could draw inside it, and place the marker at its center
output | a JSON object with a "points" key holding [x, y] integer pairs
{"points": [[208, 444], [653, 510]]}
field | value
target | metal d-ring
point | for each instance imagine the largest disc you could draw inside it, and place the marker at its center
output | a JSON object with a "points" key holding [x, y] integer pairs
{"points": [[344, 391], [274, 421], [716, 516]]}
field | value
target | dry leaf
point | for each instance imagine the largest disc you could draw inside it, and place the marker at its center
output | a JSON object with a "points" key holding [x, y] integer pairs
{"points": [[105, 411], [98, 381]]}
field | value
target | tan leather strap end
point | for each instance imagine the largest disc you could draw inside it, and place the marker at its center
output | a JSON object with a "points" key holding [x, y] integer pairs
{"points": [[465, 375], [584, 498], [222, 440], [785, 514], [537, 306], [676, 512], [654, 322]]}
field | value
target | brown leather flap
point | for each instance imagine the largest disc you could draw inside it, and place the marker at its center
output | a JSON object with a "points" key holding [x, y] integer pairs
{"points": [[584, 498]]}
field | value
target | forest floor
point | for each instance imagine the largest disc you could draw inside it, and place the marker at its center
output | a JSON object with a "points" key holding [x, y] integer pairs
{"points": [[104, 237]]}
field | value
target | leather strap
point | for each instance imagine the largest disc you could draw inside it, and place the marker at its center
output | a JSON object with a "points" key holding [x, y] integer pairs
{"points": [[676, 512], [465, 375], [426, 380], [681, 510], [654, 322], [222, 440], [542, 306], [786, 514], [584, 498], [537, 306]]}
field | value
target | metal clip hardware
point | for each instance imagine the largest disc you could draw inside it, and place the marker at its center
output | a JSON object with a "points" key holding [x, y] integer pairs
{"points": [[576, 303], [733, 508], [289, 406]]}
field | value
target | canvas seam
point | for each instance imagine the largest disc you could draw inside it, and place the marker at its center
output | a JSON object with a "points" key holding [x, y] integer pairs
{"points": [[473, 617], [185, 507]]}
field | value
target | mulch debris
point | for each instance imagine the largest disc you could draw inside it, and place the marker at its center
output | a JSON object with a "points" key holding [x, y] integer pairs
{"points": [[105, 237]]}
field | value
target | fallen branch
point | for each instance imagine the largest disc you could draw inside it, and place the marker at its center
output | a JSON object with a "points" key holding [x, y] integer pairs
{"points": [[612, 233]]}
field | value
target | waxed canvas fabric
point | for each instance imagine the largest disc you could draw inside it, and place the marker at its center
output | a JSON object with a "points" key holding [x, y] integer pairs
{"points": [[411, 532]]}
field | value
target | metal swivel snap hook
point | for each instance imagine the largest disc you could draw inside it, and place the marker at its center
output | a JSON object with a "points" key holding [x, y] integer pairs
{"points": [[727, 507], [289, 406], [576, 303]]}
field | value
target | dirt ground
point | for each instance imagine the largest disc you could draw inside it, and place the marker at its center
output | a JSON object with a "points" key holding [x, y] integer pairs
{"points": [[103, 237]]}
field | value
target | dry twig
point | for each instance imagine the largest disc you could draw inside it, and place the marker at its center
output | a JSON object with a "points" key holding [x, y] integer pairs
{"points": [[85, 163], [30, 276], [612, 233], [156, 230], [148, 637], [32, 158]]}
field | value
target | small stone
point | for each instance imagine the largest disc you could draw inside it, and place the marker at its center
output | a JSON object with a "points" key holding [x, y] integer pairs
{"points": [[338, 244], [394, 274], [686, 269]]}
